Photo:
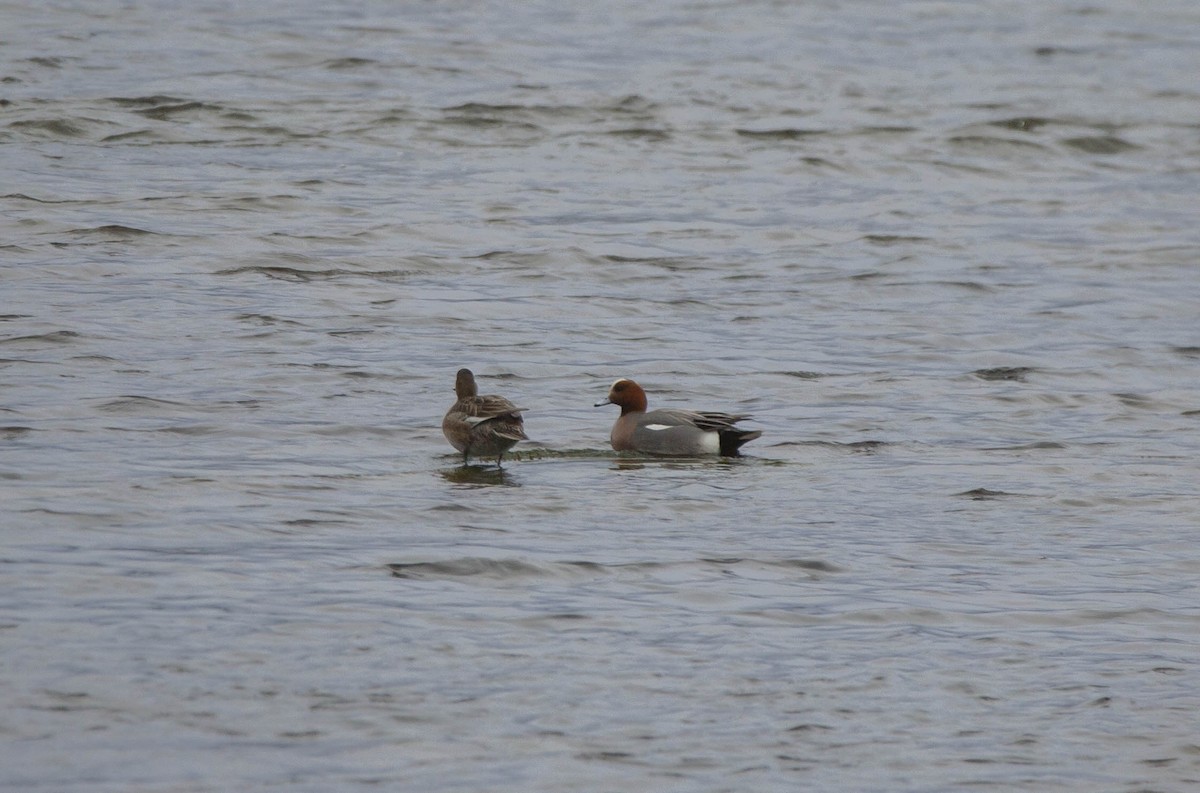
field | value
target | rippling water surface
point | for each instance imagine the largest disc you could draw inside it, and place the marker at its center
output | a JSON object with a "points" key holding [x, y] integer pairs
{"points": [[945, 253]]}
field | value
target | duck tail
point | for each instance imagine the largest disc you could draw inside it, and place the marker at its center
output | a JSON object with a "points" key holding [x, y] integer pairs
{"points": [[732, 440]]}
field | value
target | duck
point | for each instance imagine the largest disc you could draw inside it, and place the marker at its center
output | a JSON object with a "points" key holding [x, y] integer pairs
{"points": [[671, 432], [481, 426]]}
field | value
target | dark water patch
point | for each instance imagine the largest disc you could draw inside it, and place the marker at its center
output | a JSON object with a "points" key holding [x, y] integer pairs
{"points": [[816, 565], [267, 320], [299, 275], [498, 255], [803, 374], [505, 569], [671, 263], [1051, 50], [362, 430], [13, 432], [341, 64], [539, 265], [516, 569], [475, 475], [821, 162], [885, 240], [166, 112], [870, 275], [1013, 373], [972, 286], [140, 134], [24, 197], [885, 129], [70, 513], [1187, 351], [1099, 144], [49, 61], [629, 108], [984, 494], [862, 447], [853, 447], [607, 755], [640, 133], [482, 119], [482, 108], [52, 337], [13, 317], [51, 127], [385, 120], [992, 142], [1022, 123], [307, 523], [319, 365], [138, 404], [188, 430], [255, 132], [781, 134], [451, 508], [1027, 447], [632, 459], [154, 100], [112, 231], [1136, 400], [259, 203], [631, 103], [540, 453]]}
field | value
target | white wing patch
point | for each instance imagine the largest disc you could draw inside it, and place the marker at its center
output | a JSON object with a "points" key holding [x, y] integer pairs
{"points": [[657, 427]]}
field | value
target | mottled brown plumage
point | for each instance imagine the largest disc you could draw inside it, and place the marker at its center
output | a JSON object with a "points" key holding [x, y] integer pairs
{"points": [[481, 426]]}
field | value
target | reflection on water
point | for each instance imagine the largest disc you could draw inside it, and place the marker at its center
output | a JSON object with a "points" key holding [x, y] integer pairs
{"points": [[479, 475]]}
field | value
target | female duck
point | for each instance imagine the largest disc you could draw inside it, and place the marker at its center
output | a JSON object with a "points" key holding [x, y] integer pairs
{"points": [[483, 426]]}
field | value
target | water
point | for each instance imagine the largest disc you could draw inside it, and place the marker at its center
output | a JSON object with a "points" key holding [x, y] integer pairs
{"points": [[945, 253]]}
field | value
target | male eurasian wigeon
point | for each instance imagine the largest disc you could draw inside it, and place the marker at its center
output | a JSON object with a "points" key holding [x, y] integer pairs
{"points": [[678, 433], [483, 426]]}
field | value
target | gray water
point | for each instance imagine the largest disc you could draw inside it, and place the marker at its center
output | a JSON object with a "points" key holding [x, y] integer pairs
{"points": [[945, 253]]}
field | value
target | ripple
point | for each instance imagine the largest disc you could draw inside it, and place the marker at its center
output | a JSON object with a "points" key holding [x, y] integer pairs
{"points": [[301, 275], [137, 405], [510, 569], [53, 127], [112, 231], [166, 112], [1014, 373], [51, 337], [1099, 144], [1023, 123], [782, 134], [983, 494]]}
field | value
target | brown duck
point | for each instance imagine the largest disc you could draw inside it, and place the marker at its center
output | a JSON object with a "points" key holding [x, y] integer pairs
{"points": [[481, 426]]}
